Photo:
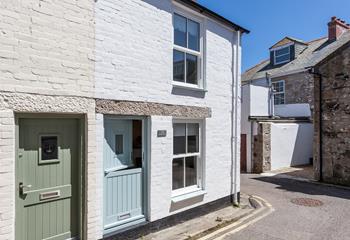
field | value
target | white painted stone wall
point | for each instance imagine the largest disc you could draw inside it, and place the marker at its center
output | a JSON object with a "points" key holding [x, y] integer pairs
{"points": [[291, 144], [134, 61], [29, 103], [46, 66], [293, 110], [47, 47], [7, 177]]}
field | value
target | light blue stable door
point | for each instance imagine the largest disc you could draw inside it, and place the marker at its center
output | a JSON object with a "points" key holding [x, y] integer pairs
{"points": [[123, 174]]}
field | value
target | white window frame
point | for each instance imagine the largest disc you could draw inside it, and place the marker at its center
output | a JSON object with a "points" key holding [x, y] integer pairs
{"points": [[280, 92], [199, 155], [200, 55], [279, 48]]}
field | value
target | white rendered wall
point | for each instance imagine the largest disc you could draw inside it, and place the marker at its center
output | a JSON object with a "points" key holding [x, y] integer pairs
{"points": [[245, 106], [259, 101], [291, 144], [293, 110]]}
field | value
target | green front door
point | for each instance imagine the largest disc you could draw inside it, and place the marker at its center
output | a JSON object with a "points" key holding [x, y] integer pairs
{"points": [[47, 178]]}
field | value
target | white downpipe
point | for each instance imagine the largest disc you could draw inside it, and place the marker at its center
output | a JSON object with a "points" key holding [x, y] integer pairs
{"points": [[271, 96], [235, 136]]}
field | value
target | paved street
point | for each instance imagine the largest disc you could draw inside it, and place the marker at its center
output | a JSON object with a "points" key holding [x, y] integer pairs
{"points": [[291, 221]]}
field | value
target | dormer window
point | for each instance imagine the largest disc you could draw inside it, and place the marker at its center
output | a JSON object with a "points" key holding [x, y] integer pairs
{"points": [[282, 55]]}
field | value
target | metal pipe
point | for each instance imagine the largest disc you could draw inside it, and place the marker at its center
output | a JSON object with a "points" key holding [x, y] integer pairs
{"points": [[271, 96], [235, 137]]}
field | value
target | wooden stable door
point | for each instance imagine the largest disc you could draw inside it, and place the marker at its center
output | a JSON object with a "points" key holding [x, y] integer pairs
{"points": [[123, 173]]}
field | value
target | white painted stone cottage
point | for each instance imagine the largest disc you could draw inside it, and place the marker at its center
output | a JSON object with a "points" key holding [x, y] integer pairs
{"points": [[114, 114]]}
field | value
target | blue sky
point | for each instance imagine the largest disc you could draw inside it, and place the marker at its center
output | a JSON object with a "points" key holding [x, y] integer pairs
{"points": [[271, 20]]}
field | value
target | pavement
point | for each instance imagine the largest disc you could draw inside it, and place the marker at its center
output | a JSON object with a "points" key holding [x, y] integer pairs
{"points": [[304, 172], [212, 222], [327, 220]]}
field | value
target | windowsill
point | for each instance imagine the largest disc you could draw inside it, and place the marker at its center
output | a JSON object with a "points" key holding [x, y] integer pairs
{"points": [[188, 86], [183, 197]]}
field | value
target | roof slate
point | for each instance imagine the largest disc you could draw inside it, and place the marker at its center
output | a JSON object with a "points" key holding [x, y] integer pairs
{"points": [[316, 51]]}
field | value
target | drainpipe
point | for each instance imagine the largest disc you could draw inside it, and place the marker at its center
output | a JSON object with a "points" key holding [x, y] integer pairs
{"points": [[320, 79], [271, 103], [234, 117]]}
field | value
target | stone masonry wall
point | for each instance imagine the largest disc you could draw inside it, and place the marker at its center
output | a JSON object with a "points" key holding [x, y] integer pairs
{"points": [[335, 119], [262, 149], [298, 88]]}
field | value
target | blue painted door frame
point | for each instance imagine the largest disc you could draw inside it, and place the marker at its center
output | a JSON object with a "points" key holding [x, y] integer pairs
{"points": [[125, 184]]}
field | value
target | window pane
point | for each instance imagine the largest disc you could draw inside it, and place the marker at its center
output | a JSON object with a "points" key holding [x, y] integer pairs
{"points": [[179, 138], [192, 68], [193, 35], [282, 51], [180, 29], [179, 66], [282, 58], [192, 137], [49, 148], [119, 144], [279, 98], [191, 171], [178, 173]]}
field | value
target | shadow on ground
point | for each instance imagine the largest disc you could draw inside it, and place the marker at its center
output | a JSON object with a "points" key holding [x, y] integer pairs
{"points": [[292, 185]]}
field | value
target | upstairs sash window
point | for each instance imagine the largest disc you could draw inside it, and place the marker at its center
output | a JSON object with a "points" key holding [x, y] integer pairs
{"points": [[278, 92], [187, 51]]}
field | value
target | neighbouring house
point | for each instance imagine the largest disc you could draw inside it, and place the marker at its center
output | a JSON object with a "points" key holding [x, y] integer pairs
{"points": [[115, 114], [332, 117], [278, 106]]}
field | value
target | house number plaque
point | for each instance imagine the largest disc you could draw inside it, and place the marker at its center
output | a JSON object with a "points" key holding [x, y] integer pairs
{"points": [[161, 133]]}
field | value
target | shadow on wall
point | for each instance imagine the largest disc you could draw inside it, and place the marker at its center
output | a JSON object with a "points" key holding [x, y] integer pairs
{"points": [[187, 92], [291, 144], [303, 150], [302, 187]]}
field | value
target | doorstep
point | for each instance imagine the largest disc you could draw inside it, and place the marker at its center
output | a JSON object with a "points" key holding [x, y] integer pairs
{"points": [[206, 224]]}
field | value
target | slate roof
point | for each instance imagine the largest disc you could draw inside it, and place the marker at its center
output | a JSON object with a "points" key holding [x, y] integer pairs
{"points": [[316, 51]]}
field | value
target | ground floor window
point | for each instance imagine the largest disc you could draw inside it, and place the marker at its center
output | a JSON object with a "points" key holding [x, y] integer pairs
{"points": [[186, 163]]}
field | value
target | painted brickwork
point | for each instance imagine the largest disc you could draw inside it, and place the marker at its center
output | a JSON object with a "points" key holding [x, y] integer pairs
{"points": [[29, 103], [57, 56], [46, 47], [46, 66], [7, 177], [134, 61], [335, 119]]}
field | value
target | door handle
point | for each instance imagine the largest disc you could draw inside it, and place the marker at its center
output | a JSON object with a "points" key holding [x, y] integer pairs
{"points": [[22, 188]]}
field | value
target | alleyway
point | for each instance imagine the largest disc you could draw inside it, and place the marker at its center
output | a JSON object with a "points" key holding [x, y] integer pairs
{"points": [[329, 220]]}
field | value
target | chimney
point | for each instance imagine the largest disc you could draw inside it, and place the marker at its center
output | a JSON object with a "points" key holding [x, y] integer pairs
{"points": [[336, 27]]}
